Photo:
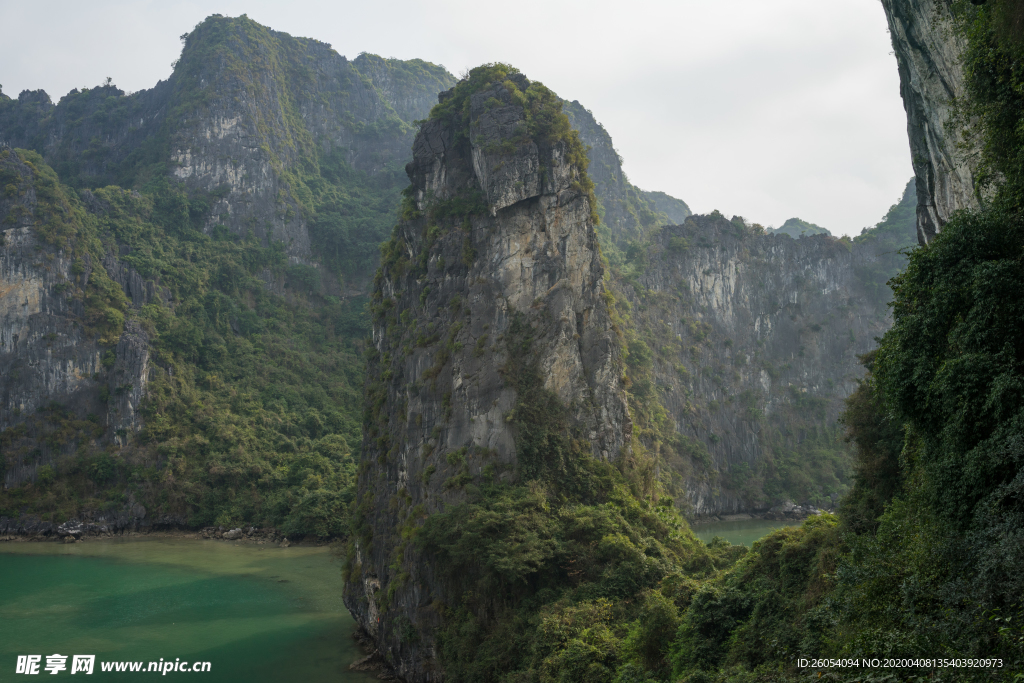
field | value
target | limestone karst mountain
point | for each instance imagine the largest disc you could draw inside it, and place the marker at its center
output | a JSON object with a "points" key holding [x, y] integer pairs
{"points": [[292, 158], [489, 306], [509, 410], [256, 185]]}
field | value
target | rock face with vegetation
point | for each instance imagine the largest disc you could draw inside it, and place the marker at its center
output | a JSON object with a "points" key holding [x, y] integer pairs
{"points": [[492, 281], [208, 241], [65, 344], [258, 121], [929, 53], [38, 316], [510, 373]]}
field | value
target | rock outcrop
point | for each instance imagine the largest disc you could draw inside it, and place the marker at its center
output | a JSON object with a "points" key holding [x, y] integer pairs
{"points": [[48, 356], [929, 53], [44, 350], [497, 251]]}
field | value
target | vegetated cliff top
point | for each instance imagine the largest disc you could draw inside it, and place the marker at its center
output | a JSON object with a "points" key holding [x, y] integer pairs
{"points": [[676, 210], [897, 228], [796, 227], [542, 122]]}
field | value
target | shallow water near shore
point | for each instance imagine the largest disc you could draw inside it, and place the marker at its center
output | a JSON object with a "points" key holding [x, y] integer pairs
{"points": [[739, 532], [256, 613]]}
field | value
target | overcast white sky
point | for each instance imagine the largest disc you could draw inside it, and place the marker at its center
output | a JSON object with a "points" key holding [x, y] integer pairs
{"points": [[763, 108]]}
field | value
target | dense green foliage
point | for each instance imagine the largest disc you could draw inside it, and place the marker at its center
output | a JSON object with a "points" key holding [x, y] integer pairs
{"points": [[878, 475], [951, 366], [765, 609], [797, 227]]}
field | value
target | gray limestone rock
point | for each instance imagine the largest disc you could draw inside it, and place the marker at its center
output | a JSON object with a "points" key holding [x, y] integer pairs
{"points": [[46, 355], [756, 344], [931, 79], [437, 387]]}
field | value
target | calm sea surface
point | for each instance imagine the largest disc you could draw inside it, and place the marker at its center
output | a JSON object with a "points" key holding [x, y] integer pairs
{"points": [[267, 615], [741, 532]]}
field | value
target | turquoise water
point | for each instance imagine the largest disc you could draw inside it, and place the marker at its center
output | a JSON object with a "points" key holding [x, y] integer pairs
{"points": [[256, 613], [741, 532]]}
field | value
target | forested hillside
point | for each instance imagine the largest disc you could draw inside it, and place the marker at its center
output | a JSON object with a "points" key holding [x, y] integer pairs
{"points": [[194, 270]]}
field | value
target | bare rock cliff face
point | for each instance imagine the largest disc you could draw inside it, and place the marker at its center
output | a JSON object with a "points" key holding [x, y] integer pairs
{"points": [[931, 78], [44, 352], [755, 341], [454, 288]]}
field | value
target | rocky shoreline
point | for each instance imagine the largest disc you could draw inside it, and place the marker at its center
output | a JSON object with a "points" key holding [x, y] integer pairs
{"points": [[33, 528]]}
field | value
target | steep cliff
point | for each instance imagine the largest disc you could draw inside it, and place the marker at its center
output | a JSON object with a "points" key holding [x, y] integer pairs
{"points": [[495, 376], [750, 343], [63, 336], [39, 321], [929, 53]]}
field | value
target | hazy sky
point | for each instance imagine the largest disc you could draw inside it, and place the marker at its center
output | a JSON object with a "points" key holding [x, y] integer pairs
{"points": [[763, 108]]}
